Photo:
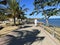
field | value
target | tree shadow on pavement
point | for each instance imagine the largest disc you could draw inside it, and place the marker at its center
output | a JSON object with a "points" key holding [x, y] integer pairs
{"points": [[25, 26], [25, 37]]}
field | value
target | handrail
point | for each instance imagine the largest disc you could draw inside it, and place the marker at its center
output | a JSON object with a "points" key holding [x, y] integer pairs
{"points": [[51, 31]]}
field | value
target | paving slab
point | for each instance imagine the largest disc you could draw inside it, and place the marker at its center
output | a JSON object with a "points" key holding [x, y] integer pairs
{"points": [[29, 35]]}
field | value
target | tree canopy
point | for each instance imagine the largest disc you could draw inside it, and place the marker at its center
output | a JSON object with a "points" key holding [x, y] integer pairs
{"points": [[46, 7], [41, 4], [13, 9]]}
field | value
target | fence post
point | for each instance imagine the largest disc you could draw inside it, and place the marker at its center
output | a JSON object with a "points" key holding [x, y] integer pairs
{"points": [[53, 33]]}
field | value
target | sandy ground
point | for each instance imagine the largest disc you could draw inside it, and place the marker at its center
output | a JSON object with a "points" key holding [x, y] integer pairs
{"points": [[7, 29]]}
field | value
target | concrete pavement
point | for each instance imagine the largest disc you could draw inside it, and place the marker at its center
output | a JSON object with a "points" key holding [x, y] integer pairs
{"points": [[29, 35]]}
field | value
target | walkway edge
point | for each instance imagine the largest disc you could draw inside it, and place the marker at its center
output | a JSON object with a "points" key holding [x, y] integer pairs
{"points": [[53, 38]]}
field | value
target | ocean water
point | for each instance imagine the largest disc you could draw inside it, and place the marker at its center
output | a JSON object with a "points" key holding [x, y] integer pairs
{"points": [[53, 22]]}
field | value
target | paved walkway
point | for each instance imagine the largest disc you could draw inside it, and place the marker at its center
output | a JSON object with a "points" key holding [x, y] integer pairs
{"points": [[29, 35]]}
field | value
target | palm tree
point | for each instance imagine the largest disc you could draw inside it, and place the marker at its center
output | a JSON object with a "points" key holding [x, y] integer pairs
{"points": [[21, 12], [13, 5], [2, 15], [15, 10]]}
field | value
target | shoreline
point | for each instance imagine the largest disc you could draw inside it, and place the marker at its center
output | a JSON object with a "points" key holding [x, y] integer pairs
{"points": [[50, 25], [53, 22]]}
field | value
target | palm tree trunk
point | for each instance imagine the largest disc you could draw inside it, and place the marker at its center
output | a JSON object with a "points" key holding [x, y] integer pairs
{"points": [[19, 21], [14, 20]]}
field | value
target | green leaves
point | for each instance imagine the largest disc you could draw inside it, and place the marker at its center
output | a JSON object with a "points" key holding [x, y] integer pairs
{"points": [[50, 12], [12, 4], [41, 4]]}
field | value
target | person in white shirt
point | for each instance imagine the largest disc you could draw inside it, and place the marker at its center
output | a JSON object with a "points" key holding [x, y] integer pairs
{"points": [[35, 22]]}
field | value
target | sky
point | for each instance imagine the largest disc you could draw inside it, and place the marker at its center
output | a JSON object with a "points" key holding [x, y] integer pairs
{"points": [[29, 4]]}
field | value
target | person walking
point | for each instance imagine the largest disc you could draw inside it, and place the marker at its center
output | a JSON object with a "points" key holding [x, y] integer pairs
{"points": [[35, 22]]}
